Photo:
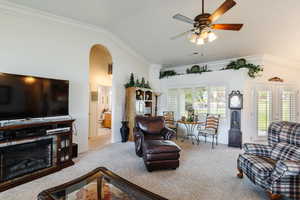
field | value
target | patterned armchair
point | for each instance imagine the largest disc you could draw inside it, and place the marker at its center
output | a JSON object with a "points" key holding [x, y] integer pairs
{"points": [[275, 167]]}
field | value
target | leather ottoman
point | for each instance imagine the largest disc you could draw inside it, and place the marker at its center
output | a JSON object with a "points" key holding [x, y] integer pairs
{"points": [[161, 154]]}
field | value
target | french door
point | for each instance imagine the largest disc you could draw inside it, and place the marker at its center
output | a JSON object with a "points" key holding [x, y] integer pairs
{"points": [[274, 103]]}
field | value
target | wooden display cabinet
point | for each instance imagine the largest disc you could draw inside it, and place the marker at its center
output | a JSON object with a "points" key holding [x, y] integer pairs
{"points": [[139, 101]]}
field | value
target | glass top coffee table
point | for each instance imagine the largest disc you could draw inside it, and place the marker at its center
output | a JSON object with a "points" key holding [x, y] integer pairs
{"points": [[100, 184]]}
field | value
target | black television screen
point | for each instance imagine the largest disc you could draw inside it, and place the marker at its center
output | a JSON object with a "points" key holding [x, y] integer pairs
{"points": [[32, 97]]}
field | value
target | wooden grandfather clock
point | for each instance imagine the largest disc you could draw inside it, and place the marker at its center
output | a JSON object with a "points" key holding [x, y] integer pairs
{"points": [[235, 104]]}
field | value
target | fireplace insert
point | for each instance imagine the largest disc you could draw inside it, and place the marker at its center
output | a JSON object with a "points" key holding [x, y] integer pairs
{"points": [[18, 160]]}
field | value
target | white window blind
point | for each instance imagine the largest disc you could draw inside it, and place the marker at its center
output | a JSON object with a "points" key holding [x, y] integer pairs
{"points": [[217, 101], [201, 101], [172, 101], [188, 96], [288, 110], [264, 107]]}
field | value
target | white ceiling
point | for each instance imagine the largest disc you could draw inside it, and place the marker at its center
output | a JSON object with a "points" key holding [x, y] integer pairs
{"points": [[271, 26]]}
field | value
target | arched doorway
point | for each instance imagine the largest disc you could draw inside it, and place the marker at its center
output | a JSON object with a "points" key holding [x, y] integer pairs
{"points": [[100, 107]]}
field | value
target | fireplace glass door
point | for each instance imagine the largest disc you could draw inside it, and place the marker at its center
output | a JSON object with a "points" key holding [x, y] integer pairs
{"points": [[22, 159]]}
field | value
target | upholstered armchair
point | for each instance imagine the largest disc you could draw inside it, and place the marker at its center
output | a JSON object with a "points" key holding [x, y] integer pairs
{"points": [[150, 128], [275, 167]]}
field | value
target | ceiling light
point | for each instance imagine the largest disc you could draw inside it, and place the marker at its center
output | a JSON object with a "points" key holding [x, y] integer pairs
{"points": [[200, 41], [204, 35], [212, 36], [193, 38]]}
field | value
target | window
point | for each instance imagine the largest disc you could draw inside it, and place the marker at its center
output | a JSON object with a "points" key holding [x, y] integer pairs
{"points": [[188, 99], [263, 111], [172, 100], [202, 100], [275, 103], [288, 105], [217, 102]]}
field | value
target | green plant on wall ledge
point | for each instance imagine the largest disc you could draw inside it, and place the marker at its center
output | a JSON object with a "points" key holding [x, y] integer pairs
{"points": [[168, 73], [196, 69], [253, 70]]}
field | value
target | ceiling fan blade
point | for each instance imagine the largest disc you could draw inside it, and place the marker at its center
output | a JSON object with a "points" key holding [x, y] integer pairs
{"points": [[227, 5], [181, 34], [183, 18], [229, 27]]}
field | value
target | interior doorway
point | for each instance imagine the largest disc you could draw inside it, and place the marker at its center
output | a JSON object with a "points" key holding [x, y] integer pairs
{"points": [[100, 107]]}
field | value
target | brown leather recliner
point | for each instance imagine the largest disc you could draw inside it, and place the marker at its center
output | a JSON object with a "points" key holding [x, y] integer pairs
{"points": [[150, 128]]}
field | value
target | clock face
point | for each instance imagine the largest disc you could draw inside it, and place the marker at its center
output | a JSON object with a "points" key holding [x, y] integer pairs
{"points": [[235, 102]]}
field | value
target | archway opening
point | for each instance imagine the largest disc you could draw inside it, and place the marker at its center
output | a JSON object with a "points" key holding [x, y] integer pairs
{"points": [[100, 106]]}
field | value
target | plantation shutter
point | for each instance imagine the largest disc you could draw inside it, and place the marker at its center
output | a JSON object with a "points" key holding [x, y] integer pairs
{"points": [[264, 111], [217, 101], [201, 101], [288, 110], [172, 101]]}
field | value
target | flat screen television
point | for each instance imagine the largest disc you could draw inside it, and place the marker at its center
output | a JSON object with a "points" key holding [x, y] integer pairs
{"points": [[23, 97]]}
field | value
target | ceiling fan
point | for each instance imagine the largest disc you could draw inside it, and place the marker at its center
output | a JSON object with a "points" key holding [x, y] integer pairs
{"points": [[203, 24]]}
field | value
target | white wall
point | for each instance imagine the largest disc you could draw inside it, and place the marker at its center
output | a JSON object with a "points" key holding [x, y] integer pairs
{"points": [[233, 80], [40, 44]]}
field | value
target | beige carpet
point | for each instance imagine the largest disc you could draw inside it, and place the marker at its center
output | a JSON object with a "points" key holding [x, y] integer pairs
{"points": [[204, 174]]}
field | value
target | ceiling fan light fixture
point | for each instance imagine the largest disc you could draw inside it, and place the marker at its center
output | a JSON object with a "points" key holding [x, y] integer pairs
{"points": [[212, 36], [200, 41], [204, 35], [203, 24], [193, 38]]}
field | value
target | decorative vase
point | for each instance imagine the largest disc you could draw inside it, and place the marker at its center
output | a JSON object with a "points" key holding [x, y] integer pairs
{"points": [[124, 131]]}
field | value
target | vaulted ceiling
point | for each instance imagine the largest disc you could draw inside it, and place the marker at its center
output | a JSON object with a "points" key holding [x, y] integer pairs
{"points": [[271, 26]]}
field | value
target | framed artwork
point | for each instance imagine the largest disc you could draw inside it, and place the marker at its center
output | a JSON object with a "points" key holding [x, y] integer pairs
{"points": [[94, 96]]}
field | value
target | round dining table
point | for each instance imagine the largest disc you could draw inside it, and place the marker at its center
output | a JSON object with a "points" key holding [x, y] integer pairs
{"points": [[190, 128]]}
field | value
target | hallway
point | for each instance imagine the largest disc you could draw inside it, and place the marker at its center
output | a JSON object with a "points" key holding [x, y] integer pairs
{"points": [[100, 141]]}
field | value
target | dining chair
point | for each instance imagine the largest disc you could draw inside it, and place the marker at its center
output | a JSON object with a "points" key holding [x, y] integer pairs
{"points": [[170, 121], [210, 128]]}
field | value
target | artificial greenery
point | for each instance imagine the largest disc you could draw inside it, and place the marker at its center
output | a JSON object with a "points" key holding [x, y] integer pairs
{"points": [[167, 73], [196, 69], [136, 83], [143, 83], [131, 81], [253, 70]]}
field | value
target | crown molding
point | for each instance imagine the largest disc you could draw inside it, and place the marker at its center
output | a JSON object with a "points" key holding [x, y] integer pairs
{"points": [[10, 8]]}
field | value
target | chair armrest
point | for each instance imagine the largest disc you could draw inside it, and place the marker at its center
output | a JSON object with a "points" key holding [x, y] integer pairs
{"points": [[168, 133], [137, 132], [286, 168], [138, 140], [258, 149]]}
